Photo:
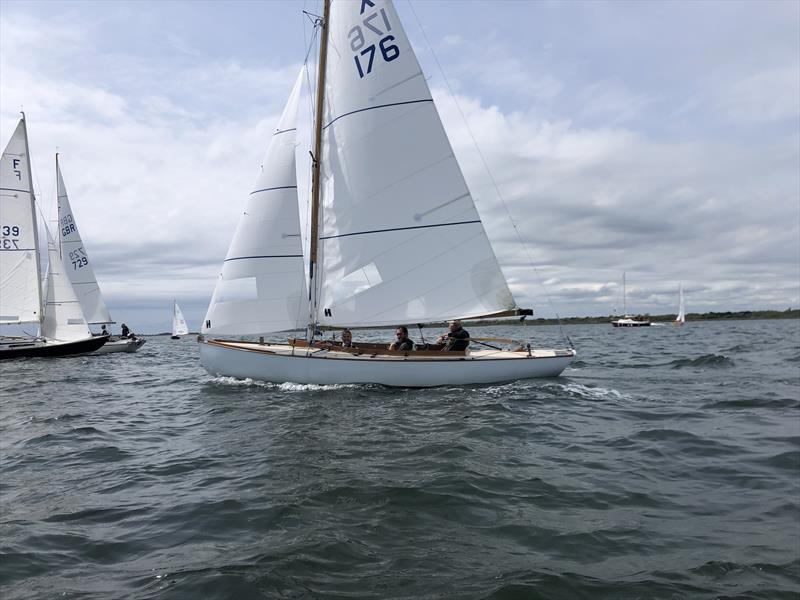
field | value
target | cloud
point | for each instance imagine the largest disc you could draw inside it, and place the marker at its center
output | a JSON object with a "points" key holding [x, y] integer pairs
{"points": [[600, 172], [764, 96]]}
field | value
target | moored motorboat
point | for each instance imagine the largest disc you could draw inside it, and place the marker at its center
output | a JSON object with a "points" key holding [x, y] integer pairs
{"points": [[629, 320]]}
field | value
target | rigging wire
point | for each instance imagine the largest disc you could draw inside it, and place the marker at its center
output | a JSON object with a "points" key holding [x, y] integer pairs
{"points": [[491, 176]]}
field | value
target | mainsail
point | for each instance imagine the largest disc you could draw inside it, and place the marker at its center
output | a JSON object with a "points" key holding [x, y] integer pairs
{"points": [[77, 262], [63, 317], [20, 288], [681, 318], [261, 288], [400, 240]]}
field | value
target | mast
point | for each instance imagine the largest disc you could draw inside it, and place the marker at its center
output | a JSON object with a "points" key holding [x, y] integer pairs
{"points": [[315, 160], [624, 297], [35, 223], [58, 223]]}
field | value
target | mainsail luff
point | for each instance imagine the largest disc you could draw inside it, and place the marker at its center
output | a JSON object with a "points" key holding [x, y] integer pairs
{"points": [[76, 259], [401, 240], [21, 299]]}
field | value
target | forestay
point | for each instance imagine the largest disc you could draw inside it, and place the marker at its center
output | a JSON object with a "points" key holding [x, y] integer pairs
{"points": [[20, 290], [400, 238], [261, 288], [63, 317], [76, 260]]}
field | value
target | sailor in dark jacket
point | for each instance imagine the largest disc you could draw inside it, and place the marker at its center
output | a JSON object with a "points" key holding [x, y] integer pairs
{"points": [[457, 338], [402, 343]]}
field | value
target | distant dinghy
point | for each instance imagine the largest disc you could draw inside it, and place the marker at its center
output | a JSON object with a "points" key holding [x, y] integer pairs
{"points": [[62, 327], [681, 318], [393, 233], [179, 326]]}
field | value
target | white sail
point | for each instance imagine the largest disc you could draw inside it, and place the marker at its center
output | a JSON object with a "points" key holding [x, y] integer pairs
{"points": [[179, 326], [400, 240], [63, 317], [261, 288], [77, 261], [681, 318], [20, 289]]}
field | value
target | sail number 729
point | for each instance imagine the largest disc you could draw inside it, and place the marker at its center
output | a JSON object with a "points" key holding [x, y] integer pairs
{"points": [[364, 56]]}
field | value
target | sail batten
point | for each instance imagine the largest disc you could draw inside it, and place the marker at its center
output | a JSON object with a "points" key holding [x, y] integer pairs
{"points": [[360, 110], [390, 229]]}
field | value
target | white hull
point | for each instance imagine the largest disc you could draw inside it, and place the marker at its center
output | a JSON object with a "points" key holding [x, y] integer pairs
{"points": [[277, 363], [630, 323], [121, 346]]}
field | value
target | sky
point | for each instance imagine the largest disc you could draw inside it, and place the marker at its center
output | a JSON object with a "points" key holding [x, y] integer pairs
{"points": [[659, 139]]}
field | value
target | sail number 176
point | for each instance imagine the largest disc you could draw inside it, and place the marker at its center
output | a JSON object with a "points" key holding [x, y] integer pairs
{"points": [[377, 23]]}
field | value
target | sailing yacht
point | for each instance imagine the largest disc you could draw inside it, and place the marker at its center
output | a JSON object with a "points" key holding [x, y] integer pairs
{"points": [[393, 234], [179, 326], [629, 320], [680, 319], [81, 272], [56, 311]]}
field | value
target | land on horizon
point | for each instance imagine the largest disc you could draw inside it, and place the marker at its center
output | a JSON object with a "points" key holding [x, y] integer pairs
{"points": [[789, 313]]}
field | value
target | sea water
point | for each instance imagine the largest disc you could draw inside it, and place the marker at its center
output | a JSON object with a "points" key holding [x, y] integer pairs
{"points": [[664, 463]]}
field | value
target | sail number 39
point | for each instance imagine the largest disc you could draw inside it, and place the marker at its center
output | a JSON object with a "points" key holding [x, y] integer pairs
{"points": [[377, 23], [10, 237]]}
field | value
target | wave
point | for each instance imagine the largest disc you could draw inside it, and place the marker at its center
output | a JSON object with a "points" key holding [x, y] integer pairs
{"points": [[286, 386], [595, 393], [779, 403], [707, 360]]}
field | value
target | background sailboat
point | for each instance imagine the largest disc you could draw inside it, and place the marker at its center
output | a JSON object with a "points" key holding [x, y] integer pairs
{"points": [[394, 236], [629, 320], [179, 326], [62, 327], [680, 319], [81, 272]]}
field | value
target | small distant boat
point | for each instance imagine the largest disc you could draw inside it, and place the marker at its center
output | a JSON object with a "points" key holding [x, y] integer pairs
{"points": [[62, 327], [681, 318], [629, 320], [179, 326], [79, 268]]}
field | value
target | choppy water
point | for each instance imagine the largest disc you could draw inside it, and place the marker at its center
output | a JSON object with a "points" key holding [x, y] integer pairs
{"points": [[664, 464]]}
